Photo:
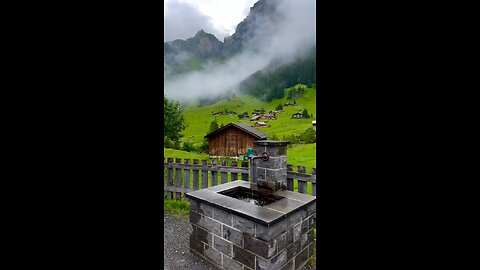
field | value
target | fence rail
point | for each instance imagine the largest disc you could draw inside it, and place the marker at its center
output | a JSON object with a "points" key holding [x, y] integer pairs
{"points": [[190, 180]]}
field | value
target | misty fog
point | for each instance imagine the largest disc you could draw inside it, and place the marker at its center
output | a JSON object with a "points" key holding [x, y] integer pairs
{"points": [[285, 39]]}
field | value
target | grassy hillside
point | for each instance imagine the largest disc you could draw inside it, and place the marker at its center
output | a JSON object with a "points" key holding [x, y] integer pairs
{"points": [[198, 119], [303, 155]]}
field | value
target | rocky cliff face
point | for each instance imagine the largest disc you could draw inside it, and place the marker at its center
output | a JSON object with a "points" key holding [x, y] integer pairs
{"points": [[205, 46], [262, 14], [202, 46]]}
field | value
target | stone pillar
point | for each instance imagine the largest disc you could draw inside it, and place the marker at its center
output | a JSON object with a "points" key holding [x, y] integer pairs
{"points": [[271, 174]]}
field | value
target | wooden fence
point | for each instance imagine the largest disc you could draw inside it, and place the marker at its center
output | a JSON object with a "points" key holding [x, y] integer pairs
{"points": [[198, 176]]}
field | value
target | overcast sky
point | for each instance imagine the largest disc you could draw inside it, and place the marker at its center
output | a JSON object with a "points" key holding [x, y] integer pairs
{"points": [[184, 18]]}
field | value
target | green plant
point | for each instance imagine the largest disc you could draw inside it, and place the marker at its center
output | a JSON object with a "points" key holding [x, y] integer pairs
{"points": [[204, 146], [179, 208], [305, 113], [213, 126], [187, 146], [173, 120], [176, 145]]}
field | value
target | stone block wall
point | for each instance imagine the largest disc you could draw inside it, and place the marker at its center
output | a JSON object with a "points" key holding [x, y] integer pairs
{"points": [[272, 173], [229, 241]]}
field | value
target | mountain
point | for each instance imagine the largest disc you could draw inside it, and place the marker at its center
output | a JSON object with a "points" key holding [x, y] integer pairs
{"points": [[182, 56], [260, 42], [263, 13], [202, 46]]}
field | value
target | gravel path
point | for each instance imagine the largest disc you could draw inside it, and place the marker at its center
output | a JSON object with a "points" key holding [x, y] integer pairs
{"points": [[175, 242]]}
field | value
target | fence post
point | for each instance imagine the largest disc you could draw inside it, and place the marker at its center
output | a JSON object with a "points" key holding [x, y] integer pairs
{"points": [[224, 175], [245, 175], [186, 174], [314, 184], [195, 175], [214, 172], [178, 180], [205, 174], [170, 177], [234, 175], [289, 180], [302, 185]]}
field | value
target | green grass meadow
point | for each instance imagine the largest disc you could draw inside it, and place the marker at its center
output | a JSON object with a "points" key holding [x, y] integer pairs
{"points": [[198, 119]]}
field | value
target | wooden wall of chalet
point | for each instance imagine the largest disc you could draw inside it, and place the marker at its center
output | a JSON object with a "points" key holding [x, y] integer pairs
{"points": [[231, 142]]}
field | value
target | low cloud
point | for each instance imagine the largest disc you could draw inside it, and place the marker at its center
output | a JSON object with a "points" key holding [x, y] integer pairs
{"points": [[182, 21], [283, 38]]}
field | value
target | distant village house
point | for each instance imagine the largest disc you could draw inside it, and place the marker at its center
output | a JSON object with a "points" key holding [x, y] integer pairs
{"points": [[260, 124], [268, 117], [297, 115], [255, 118]]}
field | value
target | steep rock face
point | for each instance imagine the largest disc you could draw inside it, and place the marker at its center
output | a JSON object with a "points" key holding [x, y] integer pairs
{"points": [[261, 15], [206, 46], [203, 46]]}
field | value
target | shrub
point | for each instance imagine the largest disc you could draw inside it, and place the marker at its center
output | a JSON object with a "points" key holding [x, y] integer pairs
{"points": [[188, 146], [204, 146], [309, 136], [176, 145]]}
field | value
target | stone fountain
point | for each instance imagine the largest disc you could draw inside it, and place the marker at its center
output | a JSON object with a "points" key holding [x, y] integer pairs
{"points": [[254, 225]]}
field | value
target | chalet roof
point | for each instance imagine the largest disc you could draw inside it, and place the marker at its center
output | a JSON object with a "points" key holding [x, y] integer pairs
{"points": [[248, 129]]}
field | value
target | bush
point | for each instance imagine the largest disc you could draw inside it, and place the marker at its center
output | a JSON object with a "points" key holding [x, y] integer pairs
{"points": [[167, 143], [176, 145], [204, 146], [309, 136], [188, 146]]}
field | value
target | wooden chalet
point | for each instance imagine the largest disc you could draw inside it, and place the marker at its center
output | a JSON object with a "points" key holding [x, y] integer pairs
{"points": [[297, 115], [260, 124], [255, 118], [268, 117], [233, 140]]}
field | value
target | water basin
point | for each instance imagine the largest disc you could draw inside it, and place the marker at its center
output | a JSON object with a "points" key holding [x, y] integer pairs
{"points": [[255, 196]]}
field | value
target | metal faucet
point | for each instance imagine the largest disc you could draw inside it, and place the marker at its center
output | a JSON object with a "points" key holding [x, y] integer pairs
{"points": [[252, 155]]}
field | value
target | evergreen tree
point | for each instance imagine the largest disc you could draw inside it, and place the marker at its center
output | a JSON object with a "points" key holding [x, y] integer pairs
{"points": [[173, 120], [305, 113], [213, 126]]}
